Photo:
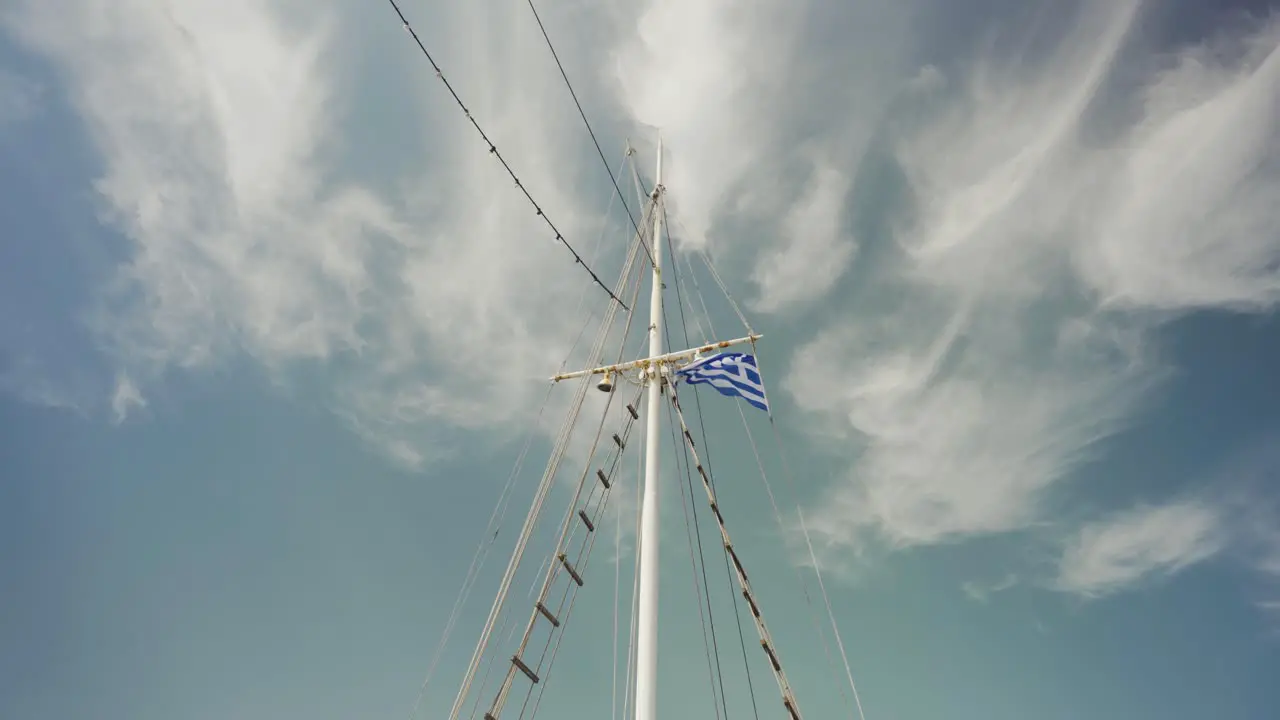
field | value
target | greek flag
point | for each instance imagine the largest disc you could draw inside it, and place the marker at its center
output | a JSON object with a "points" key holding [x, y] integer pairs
{"points": [[733, 374]]}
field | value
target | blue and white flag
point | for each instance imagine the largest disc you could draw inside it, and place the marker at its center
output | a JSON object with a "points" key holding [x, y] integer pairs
{"points": [[734, 374]]}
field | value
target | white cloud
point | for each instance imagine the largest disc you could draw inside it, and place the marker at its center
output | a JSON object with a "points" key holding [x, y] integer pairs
{"points": [[126, 397], [927, 80], [960, 434], [1270, 564], [221, 130], [1189, 219], [819, 249], [1244, 495], [1109, 556], [1011, 332], [980, 592], [763, 125], [24, 377], [724, 56], [1256, 529], [1001, 337], [208, 116], [227, 133]]}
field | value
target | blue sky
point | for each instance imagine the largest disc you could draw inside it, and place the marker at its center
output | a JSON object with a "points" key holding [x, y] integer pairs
{"points": [[273, 326]]}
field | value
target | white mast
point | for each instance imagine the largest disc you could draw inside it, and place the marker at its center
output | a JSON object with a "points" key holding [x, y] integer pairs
{"points": [[654, 371], [647, 624]]}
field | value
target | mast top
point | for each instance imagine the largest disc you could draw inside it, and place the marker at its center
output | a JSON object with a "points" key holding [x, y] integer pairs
{"points": [[658, 181]]}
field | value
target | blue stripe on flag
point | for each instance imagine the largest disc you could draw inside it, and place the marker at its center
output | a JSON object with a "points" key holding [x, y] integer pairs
{"points": [[732, 374]]}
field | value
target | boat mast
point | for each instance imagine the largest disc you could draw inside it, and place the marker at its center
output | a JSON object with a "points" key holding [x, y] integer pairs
{"points": [[647, 623], [655, 370]]}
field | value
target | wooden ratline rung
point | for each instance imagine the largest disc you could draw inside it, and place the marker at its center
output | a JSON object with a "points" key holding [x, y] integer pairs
{"points": [[632, 409], [604, 479], [515, 660], [564, 560], [555, 622], [582, 514], [618, 440], [777, 666], [788, 699], [737, 564]]}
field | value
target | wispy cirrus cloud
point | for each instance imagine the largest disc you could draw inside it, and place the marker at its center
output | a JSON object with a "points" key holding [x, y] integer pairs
{"points": [[819, 250], [982, 592], [126, 397], [1139, 544], [1188, 221], [232, 135], [1045, 243], [222, 129], [1003, 329], [765, 119], [1233, 517], [24, 377]]}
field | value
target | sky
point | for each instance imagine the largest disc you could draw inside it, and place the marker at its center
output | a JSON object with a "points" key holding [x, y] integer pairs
{"points": [[274, 327]]}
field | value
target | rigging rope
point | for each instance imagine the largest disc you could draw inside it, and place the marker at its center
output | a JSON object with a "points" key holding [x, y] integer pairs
{"points": [[813, 559], [773, 502], [835, 629], [719, 674], [567, 528], [544, 487], [617, 594], [716, 276], [742, 641], [584, 554], [578, 566], [804, 586], [697, 562], [631, 264], [581, 563], [766, 640], [583, 115], [496, 518], [477, 560], [635, 583], [493, 150]]}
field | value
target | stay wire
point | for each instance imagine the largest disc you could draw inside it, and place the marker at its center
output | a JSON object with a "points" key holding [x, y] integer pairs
{"points": [[499, 512], [629, 691], [702, 428], [477, 560], [804, 586], [766, 640], [583, 115], [777, 513], [535, 511], [697, 529], [493, 150], [831, 614], [582, 563], [566, 524], [717, 700]]}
